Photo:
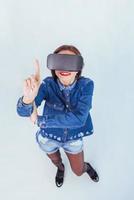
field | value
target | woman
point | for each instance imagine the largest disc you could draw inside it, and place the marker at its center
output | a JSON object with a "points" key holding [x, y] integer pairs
{"points": [[65, 119]]}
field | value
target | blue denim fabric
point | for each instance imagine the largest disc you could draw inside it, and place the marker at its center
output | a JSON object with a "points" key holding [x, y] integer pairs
{"points": [[51, 146], [66, 113]]}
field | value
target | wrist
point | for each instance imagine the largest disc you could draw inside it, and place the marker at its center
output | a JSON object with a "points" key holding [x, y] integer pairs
{"points": [[26, 100]]}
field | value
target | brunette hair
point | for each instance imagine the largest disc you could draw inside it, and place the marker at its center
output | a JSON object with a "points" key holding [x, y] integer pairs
{"points": [[70, 48]]}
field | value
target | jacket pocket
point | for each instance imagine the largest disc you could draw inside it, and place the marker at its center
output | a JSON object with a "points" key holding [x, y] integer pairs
{"points": [[55, 106]]}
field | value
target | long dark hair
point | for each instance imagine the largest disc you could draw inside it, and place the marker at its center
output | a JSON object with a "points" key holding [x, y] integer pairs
{"points": [[70, 48]]}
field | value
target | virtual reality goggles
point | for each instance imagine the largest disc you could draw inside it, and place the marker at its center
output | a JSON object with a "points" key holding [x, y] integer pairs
{"points": [[65, 62]]}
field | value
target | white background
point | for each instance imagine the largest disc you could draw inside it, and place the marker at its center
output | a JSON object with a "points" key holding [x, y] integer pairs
{"points": [[103, 32]]}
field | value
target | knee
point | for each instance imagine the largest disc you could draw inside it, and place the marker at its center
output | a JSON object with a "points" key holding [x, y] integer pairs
{"points": [[77, 172]]}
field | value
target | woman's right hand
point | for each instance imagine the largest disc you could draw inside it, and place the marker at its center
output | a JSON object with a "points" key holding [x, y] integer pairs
{"points": [[31, 85]]}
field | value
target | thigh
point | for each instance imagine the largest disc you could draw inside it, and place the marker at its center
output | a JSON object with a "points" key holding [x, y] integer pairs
{"points": [[48, 145]]}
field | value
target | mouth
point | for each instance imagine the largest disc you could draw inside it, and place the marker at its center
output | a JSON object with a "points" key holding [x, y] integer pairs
{"points": [[65, 73]]}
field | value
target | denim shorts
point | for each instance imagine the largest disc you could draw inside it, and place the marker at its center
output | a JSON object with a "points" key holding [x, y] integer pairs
{"points": [[51, 146]]}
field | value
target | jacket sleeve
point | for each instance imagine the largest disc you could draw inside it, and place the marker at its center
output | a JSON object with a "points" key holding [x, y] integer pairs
{"points": [[72, 119], [25, 110]]}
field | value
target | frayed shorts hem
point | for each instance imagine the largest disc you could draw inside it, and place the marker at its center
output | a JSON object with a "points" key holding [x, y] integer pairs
{"points": [[51, 152], [74, 152]]}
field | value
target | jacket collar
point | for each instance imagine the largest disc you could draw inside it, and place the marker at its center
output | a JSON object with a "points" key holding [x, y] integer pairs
{"points": [[62, 87]]}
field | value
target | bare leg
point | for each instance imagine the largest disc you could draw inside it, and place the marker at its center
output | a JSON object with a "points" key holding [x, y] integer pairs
{"points": [[77, 163], [56, 159], [79, 166]]}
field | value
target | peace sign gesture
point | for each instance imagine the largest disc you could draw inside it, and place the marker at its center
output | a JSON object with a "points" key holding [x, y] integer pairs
{"points": [[31, 85]]}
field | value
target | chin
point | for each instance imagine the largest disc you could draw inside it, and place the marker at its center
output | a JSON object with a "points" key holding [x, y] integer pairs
{"points": [[64, 80]]}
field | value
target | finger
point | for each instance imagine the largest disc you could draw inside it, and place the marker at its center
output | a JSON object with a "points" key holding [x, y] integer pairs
{"points": [[32, 76], [33, 81], [37, 69], [28, 82], [25, 83], [33, 84]]}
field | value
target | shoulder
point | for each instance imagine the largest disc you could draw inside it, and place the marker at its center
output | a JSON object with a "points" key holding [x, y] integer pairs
{"points": [[86, 84], [44, 83], [85, 80], [49, 82], [48, 79]]}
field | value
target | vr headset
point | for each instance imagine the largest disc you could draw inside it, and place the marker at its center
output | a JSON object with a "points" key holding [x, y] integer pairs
{"points": [[65, 62]]}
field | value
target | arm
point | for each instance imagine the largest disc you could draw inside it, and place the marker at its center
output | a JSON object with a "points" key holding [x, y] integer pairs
{"points": [[25, 108], [74, 119], [34, 93]]}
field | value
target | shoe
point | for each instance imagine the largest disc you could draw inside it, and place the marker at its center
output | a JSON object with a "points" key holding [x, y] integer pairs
{"points": [[59, 179], [92, 173]]}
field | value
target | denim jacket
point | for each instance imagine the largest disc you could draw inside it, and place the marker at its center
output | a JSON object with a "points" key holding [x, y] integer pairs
{"points": [[66, 113]]}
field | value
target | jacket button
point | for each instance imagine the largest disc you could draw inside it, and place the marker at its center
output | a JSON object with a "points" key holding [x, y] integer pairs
{"points": [[65, 131]]}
